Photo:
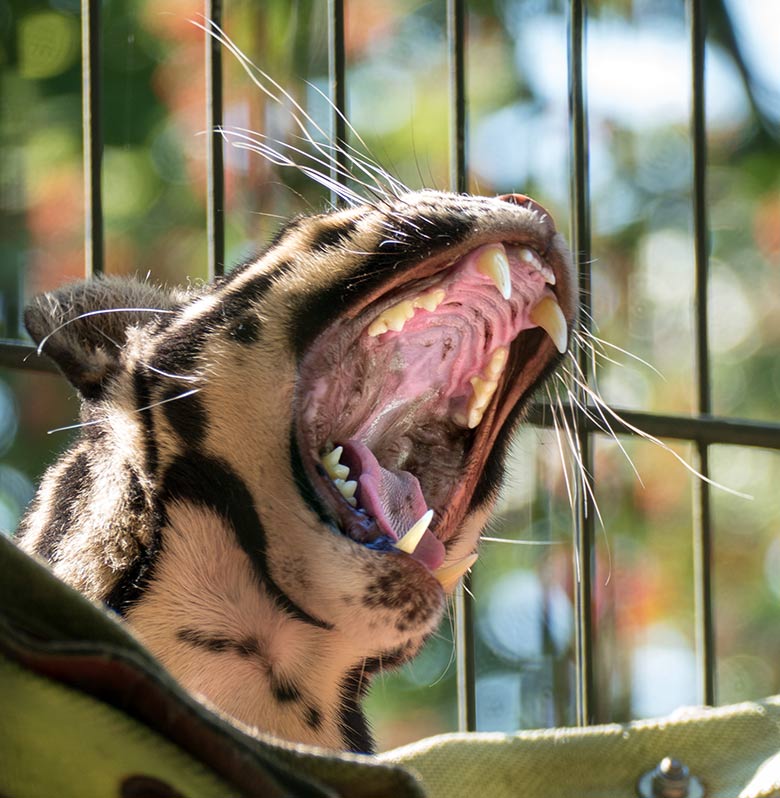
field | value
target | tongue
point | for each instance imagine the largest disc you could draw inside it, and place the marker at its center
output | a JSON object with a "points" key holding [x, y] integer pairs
{"points": [[393, 498]]}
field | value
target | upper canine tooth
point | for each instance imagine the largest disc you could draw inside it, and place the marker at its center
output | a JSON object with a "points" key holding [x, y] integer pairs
{"points": [[549, 316], [448, 575], [393, 318], [493, 263], [411, 539]]}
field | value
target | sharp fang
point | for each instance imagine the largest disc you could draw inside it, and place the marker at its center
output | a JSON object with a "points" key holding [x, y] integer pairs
{"points": [[493, 263], [448, 575], [549, 316], [411, 539]]}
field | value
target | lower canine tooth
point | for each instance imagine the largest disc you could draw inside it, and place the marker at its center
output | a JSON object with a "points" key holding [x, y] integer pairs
{"points": [[448, 575], [549, 316], [493, 263], [411, 539]]}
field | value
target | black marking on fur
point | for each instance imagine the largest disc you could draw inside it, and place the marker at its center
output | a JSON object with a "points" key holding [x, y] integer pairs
{"points": [[210, 482], [186, 414], [302, 483], [284, 690], [69, 487], [133, 581], [353, 726], [391, 259], [332, 235], [313, 718], [246, 330], [143, 398], [213, 643]]}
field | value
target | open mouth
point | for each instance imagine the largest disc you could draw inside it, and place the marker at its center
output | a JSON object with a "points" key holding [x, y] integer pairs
{"points": [[403, 400]]}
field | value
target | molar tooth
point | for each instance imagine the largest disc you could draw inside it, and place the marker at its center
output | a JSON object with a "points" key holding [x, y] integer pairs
{"points": [[448, 575], [430, 300], [549, 316], [497, 362], [411, 539], [332, 465], [347, 489], [339, 472], [480, 399], [393, 319], [493, 263], [332, 458]]}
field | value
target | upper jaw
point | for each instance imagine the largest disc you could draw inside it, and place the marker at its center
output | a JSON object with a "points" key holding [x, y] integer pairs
{"points": [[399, 311]]}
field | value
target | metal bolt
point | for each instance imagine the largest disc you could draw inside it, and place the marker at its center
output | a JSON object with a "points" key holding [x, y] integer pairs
{"points": [[669, 779]]}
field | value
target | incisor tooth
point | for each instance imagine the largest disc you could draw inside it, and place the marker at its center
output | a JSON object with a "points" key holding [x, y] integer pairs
{"points": [[493, 263], [411, 539], [448, 575], [549, 316]]}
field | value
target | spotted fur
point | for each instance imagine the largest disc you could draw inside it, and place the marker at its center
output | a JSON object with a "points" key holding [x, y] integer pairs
{"points": [[186, 504]]}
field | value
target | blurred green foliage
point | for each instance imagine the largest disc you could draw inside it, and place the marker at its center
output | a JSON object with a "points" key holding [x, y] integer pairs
{"points": [[153, 116]]}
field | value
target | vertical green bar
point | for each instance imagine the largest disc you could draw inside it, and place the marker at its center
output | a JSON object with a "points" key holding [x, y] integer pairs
{"points": [[702, 532], [581, 248], [92, 136]]}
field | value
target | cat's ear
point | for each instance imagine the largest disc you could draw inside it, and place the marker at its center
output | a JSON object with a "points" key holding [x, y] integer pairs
{"points": [[83, 327]]}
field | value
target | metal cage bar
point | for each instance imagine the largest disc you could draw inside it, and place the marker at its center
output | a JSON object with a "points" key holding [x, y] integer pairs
{"points": [[702, 532], [337, 64], [584, 530], [215, 166], [465, 653], [92, 136]]}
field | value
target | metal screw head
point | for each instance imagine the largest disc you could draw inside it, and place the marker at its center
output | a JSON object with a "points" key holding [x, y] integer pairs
{"points": [[669, 779]]}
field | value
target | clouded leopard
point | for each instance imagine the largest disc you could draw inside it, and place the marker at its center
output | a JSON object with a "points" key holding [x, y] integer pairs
{"points": [[282, 474]]}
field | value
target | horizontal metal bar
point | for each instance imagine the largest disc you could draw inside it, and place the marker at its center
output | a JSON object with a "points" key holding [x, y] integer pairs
{"points": [[18, 355], [703, 429]]}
